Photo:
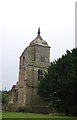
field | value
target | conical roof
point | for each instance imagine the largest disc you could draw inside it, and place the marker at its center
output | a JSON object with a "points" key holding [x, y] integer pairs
{"points": [[38, 40]]}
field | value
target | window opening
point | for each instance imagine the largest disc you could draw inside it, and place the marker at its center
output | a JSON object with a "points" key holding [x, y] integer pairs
{"points": [[40, 74]]}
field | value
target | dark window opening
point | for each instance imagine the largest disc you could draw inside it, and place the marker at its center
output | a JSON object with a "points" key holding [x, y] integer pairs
{"points": [[16, 95], [23, 60], [40, 74]]}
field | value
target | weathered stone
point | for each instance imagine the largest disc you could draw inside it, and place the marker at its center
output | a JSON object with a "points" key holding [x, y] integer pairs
{"points": [[34, 61]]}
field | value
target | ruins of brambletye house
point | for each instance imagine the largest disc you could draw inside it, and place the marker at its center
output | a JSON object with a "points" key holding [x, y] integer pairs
{"points": [[34, 60]]}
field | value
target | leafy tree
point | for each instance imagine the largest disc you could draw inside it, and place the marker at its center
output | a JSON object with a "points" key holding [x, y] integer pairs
{"points": [[59, 84], [5, 97]]}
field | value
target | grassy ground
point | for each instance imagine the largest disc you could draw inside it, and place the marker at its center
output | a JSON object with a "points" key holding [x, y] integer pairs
{"points": [[0, 114], [32, 115]]}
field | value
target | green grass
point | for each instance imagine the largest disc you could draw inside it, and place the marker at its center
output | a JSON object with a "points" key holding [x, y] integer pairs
{"points": [[32, 115], [0, 115]]}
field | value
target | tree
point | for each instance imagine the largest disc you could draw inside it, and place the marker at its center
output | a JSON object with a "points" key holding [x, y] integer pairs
{"points": [[5, 97], [59, 84]]}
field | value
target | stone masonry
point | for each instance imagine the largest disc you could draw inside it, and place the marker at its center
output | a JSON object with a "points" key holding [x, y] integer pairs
{"points": [[34, 61]]}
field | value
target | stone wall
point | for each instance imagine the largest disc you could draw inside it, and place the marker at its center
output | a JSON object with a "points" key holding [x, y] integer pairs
{"points": [[30, 62]]}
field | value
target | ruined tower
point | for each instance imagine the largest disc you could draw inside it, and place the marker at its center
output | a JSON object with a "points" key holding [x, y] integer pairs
{"points": [[34, 61]]}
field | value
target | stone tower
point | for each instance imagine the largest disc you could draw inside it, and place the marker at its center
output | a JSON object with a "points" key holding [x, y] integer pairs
{"points": [[34, 61]]}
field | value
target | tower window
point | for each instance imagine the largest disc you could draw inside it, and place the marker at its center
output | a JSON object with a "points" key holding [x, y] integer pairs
{"points": [[23, 60], [42, 58], [40, 74]]}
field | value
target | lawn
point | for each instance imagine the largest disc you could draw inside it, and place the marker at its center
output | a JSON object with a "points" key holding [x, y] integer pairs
{"points": [[32, 115]]}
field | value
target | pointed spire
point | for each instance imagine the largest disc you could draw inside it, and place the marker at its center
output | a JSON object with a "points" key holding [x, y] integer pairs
{"points": [[39, 31]]}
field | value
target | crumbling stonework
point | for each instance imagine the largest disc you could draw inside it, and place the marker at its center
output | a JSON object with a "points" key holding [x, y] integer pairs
{"points": [[34, 61]]}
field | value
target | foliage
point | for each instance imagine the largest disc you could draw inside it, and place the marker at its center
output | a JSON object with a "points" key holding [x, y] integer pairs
{"points": [[5, 97], [59, 84]]}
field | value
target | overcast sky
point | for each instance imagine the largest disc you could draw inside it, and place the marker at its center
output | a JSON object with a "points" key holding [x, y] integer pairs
{"points": [[19, 21]]}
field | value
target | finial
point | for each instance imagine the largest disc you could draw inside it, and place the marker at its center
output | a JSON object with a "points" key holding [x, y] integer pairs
{"points": [[39, 31]]}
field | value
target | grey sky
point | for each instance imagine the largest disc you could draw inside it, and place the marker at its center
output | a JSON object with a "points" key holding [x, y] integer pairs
{"points": [[19, 21]]}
